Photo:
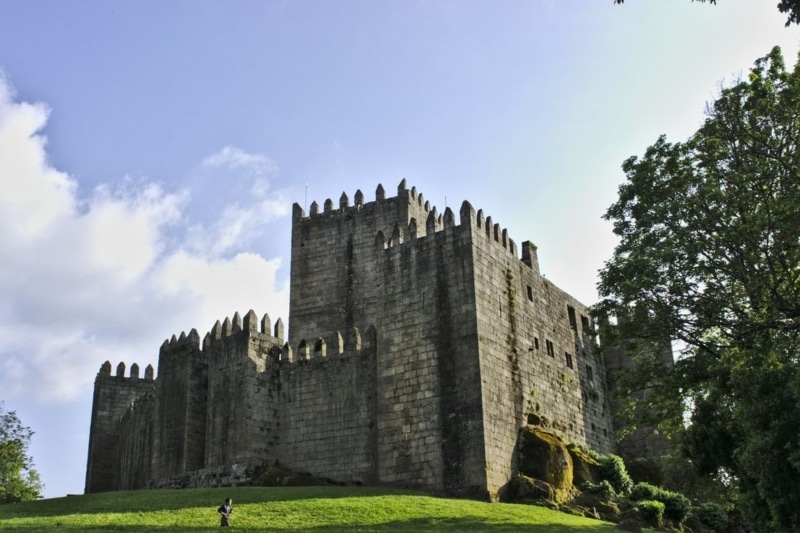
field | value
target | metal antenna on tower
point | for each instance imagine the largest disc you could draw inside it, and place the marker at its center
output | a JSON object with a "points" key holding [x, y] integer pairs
{"points": [[305, 201]]}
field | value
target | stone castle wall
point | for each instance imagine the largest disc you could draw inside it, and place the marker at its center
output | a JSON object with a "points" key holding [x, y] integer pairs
{"points": [[113, 396], [327, 407], [466, 341]]}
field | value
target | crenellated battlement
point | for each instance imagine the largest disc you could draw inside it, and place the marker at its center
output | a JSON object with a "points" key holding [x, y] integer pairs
{"points": [[436, 224], [404, 195], [221, 330], [434, 221], [335, 345], [105, 371]]}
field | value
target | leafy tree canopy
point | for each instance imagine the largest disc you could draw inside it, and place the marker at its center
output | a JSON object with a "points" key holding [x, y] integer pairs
{"points": [[791, 7], [709, 255], [19, 481]]}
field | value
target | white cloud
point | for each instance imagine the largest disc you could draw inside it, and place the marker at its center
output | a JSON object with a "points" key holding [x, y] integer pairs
{"points": [[233, 189], [34, 195], [235, 158], [89, 279]]}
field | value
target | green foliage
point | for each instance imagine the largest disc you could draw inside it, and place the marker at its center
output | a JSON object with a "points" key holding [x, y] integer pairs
{"points": [[708, 517], [791, 7], [286, 509], [676, 505], [19, 481], [602, 489], [612, 469], [651, 512], [709, 256], [680, 475]]}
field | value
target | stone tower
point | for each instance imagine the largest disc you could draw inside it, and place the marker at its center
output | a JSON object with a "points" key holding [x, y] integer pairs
{"points": [[471, 337], [113, 396]]}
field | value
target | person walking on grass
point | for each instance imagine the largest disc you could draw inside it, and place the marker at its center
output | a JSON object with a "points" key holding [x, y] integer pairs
{"points": [[225, 511]]}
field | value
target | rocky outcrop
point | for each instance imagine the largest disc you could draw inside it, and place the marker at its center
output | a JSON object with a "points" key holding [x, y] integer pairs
{"points": [[543, 456]]}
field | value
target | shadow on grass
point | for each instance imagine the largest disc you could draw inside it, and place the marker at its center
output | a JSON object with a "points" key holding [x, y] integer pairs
{"points": [[186, 499], [446, 525]]}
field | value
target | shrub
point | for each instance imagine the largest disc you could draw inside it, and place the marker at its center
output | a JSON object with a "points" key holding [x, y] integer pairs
{"points": [[644, 491], [602, 489], [612, 469], [710, 516], [651, 512], [677, 506]]}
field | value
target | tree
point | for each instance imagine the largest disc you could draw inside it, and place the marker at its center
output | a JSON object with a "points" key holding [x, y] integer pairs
{"points": [[709, 255], [19, 481], [792, 7]]}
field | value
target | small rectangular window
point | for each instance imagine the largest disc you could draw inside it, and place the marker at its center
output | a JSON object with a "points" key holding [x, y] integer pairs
{"points": [[569, 359], [536, 342], [585, 324], [550, 348], [573, 322], [530, 293], [589, 374]]}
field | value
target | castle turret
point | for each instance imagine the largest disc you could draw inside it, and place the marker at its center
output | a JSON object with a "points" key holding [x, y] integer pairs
{"points": [[113, 395], [179, 440]]}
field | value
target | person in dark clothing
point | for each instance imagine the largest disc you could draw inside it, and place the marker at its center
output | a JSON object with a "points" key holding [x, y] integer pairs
{"points": [[225, 511]]}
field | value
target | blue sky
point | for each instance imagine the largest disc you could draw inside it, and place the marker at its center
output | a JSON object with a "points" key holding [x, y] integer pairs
{"points": [[150, 152]]}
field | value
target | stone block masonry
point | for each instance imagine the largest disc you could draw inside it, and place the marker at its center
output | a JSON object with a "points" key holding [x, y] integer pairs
{"points": [[418, 346]]}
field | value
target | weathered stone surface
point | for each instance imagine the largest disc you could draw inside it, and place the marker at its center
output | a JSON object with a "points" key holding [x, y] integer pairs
{"points": [[543, 455], [277, 476], [594, 506], [584, 468], [524, 489], [644, 470]]}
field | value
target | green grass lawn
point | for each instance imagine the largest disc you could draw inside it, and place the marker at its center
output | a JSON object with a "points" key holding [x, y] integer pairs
{"points": [[315, 509]]}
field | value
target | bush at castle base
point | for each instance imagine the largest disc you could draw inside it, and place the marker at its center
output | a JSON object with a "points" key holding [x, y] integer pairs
{"points": [[708, 517], [543, 455], [677, 506], [651, 512], [612, 469]]}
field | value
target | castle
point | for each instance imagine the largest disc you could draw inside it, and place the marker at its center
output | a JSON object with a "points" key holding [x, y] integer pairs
{"points": [[418, 346]]}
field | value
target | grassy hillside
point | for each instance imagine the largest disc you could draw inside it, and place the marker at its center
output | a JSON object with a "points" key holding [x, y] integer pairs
{"points": [[315, 509]]}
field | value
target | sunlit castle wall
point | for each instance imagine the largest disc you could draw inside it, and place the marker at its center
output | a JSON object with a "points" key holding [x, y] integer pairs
{"points": [[538, 358]]}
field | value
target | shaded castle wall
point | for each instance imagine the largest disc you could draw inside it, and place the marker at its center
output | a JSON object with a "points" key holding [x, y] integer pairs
{"points": [[643, 442], [327, 408], [242, 423], [112, 397], [182, 385], [333, 276], [136, 455], [403, 267], [429, 383]]}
